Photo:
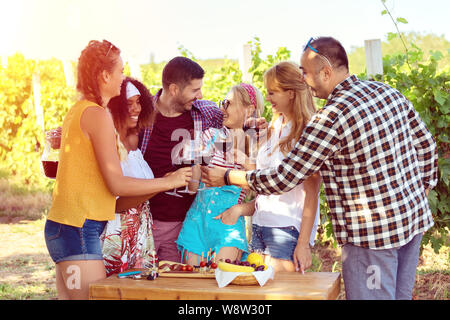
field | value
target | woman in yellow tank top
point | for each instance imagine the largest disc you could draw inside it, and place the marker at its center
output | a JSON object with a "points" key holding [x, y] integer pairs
{"points": [[90, 176]]}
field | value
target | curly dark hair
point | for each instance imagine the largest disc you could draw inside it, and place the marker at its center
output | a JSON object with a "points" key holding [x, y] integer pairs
{"points": [[96, 57], [119, 109]]}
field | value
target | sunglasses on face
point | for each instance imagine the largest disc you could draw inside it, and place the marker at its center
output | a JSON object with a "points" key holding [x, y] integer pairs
{"points": [[308, 45], [225, 103]]}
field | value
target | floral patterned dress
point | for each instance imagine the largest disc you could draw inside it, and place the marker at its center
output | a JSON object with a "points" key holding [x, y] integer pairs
{"points": [[127, 241]]}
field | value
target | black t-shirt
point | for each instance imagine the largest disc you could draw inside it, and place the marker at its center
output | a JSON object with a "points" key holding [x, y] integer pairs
{"points": [[165, 207]]}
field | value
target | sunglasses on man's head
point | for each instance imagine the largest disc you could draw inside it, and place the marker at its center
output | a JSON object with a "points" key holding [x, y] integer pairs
{"points": [[225, 103], [308, 45]]}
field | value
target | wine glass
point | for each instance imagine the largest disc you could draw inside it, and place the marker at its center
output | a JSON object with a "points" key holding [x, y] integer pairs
{"points": [[206, 154], [174, 191], [188, 157], [222, 142], [250, 123], [50, 156]]}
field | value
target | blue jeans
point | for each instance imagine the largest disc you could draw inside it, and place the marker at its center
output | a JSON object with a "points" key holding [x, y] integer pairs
{"points": [[386, 274], [277, 242], [68, 243]]}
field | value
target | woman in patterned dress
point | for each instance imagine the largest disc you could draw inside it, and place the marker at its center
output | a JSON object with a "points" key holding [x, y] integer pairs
{"points": [[128, 240]]}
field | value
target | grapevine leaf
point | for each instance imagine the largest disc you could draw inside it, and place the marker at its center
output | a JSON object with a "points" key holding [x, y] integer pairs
{"points": [[392, 35]]}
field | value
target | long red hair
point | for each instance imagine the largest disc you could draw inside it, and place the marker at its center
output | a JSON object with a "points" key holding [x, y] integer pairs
{"points": [[94, 59]]}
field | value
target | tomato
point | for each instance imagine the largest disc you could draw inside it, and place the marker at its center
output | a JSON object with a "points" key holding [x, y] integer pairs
{"points": [[213, 265], [183, 268], [202, 264], [189, 268]]}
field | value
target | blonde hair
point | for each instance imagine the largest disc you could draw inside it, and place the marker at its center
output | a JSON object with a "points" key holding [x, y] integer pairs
{"points": [[285, 76], [243, 96]]}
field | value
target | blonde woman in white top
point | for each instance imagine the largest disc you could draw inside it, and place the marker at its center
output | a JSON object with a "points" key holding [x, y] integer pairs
{"points": [[278, 219]]}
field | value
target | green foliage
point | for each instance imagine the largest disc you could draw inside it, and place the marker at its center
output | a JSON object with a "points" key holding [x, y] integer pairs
{"points": [[393, 45], [151, 76], [259, 66], [21, 138]]}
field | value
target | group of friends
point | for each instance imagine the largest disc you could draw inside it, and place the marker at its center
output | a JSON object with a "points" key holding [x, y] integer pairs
{"points": [[169, 175]]}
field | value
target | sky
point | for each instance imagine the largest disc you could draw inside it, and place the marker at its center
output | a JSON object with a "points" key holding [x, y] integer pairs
{"points": [[145, 29]]}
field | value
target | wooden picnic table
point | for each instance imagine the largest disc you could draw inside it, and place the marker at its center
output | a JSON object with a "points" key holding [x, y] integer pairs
{"points": [[284, 286]]}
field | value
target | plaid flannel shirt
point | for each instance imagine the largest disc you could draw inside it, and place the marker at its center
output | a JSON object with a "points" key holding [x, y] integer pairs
{"points": [[205, 113], [376, 159]]}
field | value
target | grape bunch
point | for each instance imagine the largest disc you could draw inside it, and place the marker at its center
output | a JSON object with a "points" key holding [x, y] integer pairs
{"points": [[261, 267]]}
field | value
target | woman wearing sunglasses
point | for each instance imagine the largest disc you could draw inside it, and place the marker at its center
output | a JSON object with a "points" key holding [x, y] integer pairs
{"points": [[202, 232], [277, 219]]}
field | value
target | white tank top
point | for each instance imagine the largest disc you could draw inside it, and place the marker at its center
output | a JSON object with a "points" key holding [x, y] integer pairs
{"points": [[286, 209]]}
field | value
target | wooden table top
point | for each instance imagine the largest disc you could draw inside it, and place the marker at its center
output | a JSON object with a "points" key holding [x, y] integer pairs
{"points": [[284, 286]]}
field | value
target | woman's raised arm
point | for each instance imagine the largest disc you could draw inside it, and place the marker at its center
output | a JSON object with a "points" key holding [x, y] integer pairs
{"points": [[97, 124]]}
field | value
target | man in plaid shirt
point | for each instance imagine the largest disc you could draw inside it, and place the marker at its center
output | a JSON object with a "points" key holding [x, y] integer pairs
{"points": [[377, 161]]}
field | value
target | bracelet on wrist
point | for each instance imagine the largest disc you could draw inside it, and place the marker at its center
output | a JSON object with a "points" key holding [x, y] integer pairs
{"points": [[226, 177]]}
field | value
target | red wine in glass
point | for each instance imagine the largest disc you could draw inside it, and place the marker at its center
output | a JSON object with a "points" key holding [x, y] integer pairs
{"points": [[250, 127], [50, 168], [222, 143]]}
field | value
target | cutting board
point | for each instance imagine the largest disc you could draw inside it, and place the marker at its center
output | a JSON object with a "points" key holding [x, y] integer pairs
{"points": [[186, 274]]}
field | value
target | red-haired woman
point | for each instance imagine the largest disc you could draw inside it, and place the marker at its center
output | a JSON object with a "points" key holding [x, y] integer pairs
{"points": [[90, 176]]}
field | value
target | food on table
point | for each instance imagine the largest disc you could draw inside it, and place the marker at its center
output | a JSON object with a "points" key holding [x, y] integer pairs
{"points": [[171, 266], [230, 267], [175, 267], [254, 262], [255, 258]]}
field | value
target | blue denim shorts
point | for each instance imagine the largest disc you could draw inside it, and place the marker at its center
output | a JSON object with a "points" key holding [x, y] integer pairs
{"points": [[277, 242], [68, 243]]}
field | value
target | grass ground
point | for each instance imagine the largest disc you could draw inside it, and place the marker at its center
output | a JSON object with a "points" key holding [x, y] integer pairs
{"points": [[28, 273], [26, 270]]}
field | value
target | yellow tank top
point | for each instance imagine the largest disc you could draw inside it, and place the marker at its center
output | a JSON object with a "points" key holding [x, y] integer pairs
{"points": [[80, 192]]}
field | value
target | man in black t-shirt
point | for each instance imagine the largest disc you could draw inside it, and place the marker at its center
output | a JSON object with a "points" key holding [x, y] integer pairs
{"points": [[178, 106]]}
